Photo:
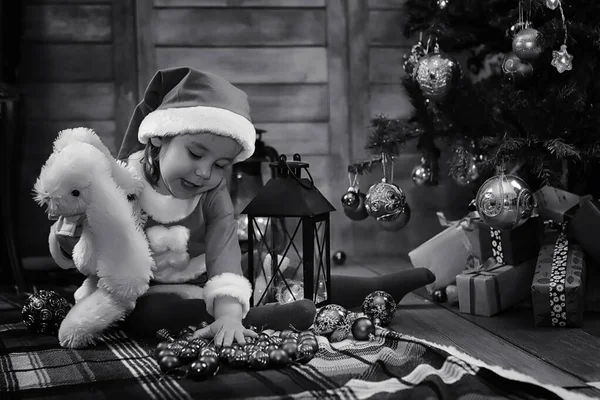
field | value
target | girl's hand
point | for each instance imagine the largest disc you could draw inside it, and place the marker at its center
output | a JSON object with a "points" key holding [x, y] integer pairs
{"points": [[224, 330]]}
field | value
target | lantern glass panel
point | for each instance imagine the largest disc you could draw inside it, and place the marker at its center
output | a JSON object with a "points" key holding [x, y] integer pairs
{"points": [[289, 241]]}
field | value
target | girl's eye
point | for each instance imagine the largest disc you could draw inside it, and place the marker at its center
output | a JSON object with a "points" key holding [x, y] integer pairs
{"points": [[75, 193], [194, 155]]}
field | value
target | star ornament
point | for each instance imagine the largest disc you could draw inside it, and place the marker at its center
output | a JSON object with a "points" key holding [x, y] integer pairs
{"points": [[561, 60]]}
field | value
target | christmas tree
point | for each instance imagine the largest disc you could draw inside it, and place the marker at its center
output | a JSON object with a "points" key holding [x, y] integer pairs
{"points": [[526, 101]]}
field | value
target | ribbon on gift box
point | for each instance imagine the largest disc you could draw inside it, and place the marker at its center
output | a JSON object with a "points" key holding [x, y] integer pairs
{"points": [[558, 277], [488, 268], [469, 222]]}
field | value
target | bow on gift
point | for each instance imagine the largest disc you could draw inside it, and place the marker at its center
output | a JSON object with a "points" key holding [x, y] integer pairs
{"points": [[467, 223], [476, 268]]}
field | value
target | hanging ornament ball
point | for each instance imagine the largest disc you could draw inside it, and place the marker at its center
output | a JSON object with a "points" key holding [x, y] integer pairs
{"points": [[516, 70], [44, 311], [552, 4], [359, 213], [422, 175], [350, 200], [504, 202], [363, 329], [442, 4], [439, 296], [385, 200], [328, 318], [469, 175], [339, 258], [514, 29], [396, 222], [437, 74], [379, 305], [411, 59], [528, 44]]}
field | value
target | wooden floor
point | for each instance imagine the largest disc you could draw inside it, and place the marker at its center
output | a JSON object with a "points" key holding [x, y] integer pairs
{"points": [[565, 357]]}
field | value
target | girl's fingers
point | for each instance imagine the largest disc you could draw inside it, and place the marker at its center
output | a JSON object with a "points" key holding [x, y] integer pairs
{"points": [[204, 333], [228, 338], [239, 337], [251, 333]]}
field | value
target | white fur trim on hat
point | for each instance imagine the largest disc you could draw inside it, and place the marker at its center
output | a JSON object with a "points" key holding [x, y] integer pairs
{"points": [[162, 209], [177, 121], [228, 284]]}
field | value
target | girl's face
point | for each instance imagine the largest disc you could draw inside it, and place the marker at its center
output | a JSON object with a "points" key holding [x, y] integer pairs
{"points": [[194, 163]]}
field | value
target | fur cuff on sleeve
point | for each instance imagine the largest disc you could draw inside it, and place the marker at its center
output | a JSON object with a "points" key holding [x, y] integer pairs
{"points": [[56, 252], [228, 284]]}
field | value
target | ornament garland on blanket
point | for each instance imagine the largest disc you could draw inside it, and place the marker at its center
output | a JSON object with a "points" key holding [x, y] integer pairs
{"points": [[182, 356]]}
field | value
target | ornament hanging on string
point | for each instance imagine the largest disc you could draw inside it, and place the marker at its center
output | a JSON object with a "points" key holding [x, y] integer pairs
{"points": [[437, 74], [411, 59], [504, 201], [353, 201], [466, 163], [423, 174], [385, 201], [516, 70], [561, 59], [527, 44]]}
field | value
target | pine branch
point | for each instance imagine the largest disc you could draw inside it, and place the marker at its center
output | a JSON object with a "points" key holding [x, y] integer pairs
{"points": [[561, 150], [363, 167]]}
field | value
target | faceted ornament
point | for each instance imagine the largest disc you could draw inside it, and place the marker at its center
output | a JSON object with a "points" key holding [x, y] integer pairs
{"points": [[561, 60]]}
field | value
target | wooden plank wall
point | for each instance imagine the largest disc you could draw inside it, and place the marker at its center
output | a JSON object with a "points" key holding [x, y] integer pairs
{"points": [[70, 77], [315, 72]]}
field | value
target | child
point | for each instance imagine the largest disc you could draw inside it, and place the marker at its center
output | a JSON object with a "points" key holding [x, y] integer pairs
{"points": [[188, 129]]}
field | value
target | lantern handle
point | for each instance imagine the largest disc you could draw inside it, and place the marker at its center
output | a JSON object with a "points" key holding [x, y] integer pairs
{"points": [[304, 185]]}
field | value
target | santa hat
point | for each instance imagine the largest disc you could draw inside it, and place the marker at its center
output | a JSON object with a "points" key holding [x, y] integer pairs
{"points": [[184, 100]]}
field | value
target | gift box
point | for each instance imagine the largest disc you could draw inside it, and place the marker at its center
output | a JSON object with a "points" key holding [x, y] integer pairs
{"points": [[493, 287], [446, 254], [584, 226], [556, 204], [558, 285], [511, 247], [592, 285]]}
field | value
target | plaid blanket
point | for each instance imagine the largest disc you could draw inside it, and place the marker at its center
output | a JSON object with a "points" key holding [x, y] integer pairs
{"points": [[392, 366]]}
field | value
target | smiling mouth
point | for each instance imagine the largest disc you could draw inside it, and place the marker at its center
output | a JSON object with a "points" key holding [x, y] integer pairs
{"points": [[189, 185]]}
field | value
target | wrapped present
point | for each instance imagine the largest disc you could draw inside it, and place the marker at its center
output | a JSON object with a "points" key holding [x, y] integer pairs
{"points": [[491, 287], [558, 285], [511, 247], [556, 204], [445, 254], [584, 226], [592, 286]]}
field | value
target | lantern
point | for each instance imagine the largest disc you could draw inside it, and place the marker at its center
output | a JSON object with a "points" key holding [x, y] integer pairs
{"points": [[288, 237]]}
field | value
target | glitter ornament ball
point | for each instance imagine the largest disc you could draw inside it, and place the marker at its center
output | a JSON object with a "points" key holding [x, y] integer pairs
{"points": [[397, 222], [385, 200], [437, 74], [44, 311], [516, 70], [504, 202], [411, 59], [528, 44], [359, 213], [328, 318], [379, 307]]}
